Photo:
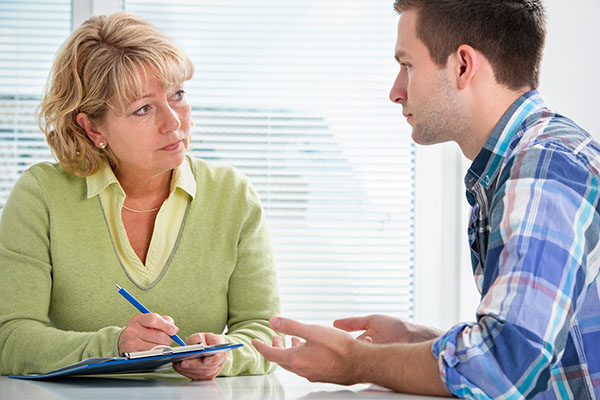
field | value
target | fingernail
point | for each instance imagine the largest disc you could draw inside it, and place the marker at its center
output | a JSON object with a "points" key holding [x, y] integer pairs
{"points": [[275, 322], [209, 360]]}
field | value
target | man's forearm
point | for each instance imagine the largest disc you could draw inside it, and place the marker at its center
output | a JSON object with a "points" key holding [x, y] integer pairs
{"points": [[406, 368]]}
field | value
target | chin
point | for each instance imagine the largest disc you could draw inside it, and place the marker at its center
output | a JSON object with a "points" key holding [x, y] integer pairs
{"points": [[426, 140], [175, 160]]}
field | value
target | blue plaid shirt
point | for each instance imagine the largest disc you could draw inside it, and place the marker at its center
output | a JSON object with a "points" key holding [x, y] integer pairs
{"points": [[535, 250]]}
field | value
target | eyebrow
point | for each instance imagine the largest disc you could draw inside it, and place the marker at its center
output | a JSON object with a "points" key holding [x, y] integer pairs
{"points": [[399, 54], [141, 98], [146, 96]]}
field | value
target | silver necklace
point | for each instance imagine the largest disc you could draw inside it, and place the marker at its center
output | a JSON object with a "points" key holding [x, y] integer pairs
{"points": [[140, 211]]}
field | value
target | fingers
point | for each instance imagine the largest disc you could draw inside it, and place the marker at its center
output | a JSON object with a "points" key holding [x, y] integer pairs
{"points": [[271, 353], [365, 338], [144, 331], [202, 368], [207, 338], [212, 339], [295, 328], [352, 324], [196, 338], [205, 368], [157, 322], [278, 342]]}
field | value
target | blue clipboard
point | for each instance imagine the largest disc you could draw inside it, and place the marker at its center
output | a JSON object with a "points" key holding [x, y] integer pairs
{"points": [[143, 361]]}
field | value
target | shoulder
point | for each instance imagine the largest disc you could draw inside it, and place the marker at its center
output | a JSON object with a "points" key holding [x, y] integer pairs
{"points": [[551, 146], [48, 180], [554, 158], [221, 180], [205, 171], [45, 172]]}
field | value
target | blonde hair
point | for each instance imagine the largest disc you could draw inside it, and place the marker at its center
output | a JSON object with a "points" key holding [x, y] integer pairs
{"points": [[98, 68]]}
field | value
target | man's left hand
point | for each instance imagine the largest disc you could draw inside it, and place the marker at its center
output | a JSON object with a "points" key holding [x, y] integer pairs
{"points": [[324, 355]]}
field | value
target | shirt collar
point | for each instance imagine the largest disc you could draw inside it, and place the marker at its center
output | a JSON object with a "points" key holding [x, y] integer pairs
{"points": [[486, 165], [100, 180], [183, 178]]}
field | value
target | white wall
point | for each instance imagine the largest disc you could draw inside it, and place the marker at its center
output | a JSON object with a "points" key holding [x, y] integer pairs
{"points": [[570, 81]]}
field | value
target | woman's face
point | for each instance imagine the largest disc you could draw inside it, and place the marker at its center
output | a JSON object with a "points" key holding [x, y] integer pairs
{"points": [[153, 134]]}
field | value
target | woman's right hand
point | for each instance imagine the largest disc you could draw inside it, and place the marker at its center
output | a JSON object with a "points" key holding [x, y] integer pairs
{"points": [[144, 331]]}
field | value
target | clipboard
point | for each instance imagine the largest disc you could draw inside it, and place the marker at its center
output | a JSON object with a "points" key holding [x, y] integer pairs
{"points": [[144, 361]]}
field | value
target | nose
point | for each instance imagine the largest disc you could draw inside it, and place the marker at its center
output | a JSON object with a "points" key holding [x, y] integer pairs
{"points": [[398, 92], [171, 119]]}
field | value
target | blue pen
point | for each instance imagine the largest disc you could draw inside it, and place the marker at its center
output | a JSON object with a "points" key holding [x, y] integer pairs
{"points": [[143, 309]]}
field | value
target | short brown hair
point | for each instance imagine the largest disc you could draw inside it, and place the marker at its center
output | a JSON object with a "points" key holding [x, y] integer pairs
{"points": [[97, 68], [509, 33]]}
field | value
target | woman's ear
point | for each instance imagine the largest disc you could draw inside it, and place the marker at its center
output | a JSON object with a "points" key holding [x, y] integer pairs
{"points": [[95, 136], [467, 63]]}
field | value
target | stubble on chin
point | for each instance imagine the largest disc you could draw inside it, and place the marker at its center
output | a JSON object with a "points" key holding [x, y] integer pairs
{"points": [[432, 133], [441, 118]]}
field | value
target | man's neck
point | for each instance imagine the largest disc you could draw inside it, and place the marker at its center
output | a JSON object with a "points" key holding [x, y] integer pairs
{"points": [[488, 109]]}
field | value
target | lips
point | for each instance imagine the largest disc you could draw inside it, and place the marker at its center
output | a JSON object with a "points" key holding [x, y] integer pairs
{"points": [[173, 146]]}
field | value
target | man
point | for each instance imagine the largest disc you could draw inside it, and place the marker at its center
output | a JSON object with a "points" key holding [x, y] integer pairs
{"points": [[468, 73]]}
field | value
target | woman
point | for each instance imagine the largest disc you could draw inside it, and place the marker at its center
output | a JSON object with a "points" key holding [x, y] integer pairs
{"points": [[126, 206]]}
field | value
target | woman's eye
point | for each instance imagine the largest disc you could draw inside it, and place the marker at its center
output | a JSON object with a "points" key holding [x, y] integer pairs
{"points": [[179, 95], [142, 110]]}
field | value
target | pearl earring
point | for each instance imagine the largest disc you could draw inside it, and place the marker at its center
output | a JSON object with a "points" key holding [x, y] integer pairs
{"points": [[101, 145]]}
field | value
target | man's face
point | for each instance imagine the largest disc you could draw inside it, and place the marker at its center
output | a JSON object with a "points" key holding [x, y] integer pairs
{"points": [[429, 102]]}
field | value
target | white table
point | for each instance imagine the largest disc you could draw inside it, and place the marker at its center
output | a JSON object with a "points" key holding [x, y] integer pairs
{"points": [[279, 385]]}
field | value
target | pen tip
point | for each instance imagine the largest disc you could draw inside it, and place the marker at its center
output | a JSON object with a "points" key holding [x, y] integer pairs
{"points": [[118, 287]]}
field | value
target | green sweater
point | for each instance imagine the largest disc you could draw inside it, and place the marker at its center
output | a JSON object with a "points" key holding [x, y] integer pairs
{"points": [[58, 270]]}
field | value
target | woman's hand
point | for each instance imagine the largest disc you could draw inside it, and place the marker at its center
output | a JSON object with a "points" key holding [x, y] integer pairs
{"points": [[144, 331], [206, 368]]}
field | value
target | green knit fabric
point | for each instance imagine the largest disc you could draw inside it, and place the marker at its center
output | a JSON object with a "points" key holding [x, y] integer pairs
{"points": [[58, 270]]}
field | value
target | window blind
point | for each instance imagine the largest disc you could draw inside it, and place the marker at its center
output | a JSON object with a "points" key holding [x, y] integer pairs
{"points": [[294, 94], [30, 34]]}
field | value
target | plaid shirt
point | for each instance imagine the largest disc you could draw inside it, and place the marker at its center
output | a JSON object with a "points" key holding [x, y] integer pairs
{"points": [[535, 250]]}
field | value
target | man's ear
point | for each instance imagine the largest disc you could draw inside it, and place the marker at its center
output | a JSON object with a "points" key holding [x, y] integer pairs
{"points": [[466, 64], [95, 136]]}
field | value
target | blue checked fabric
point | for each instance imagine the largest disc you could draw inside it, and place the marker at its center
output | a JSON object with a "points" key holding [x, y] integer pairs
{"points": [[534, 237]]}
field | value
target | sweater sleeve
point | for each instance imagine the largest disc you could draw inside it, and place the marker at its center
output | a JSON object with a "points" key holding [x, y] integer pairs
{"points": [[253, 294], [28, 342]]}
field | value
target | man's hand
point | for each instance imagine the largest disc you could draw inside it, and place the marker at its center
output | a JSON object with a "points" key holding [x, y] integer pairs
{"points": [[326, 355], [385, 329], [206, 368], [332, 355], [144, 331]]}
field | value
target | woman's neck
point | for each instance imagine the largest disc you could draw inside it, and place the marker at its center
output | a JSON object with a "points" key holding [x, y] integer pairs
{"points": [[145, 192]]}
